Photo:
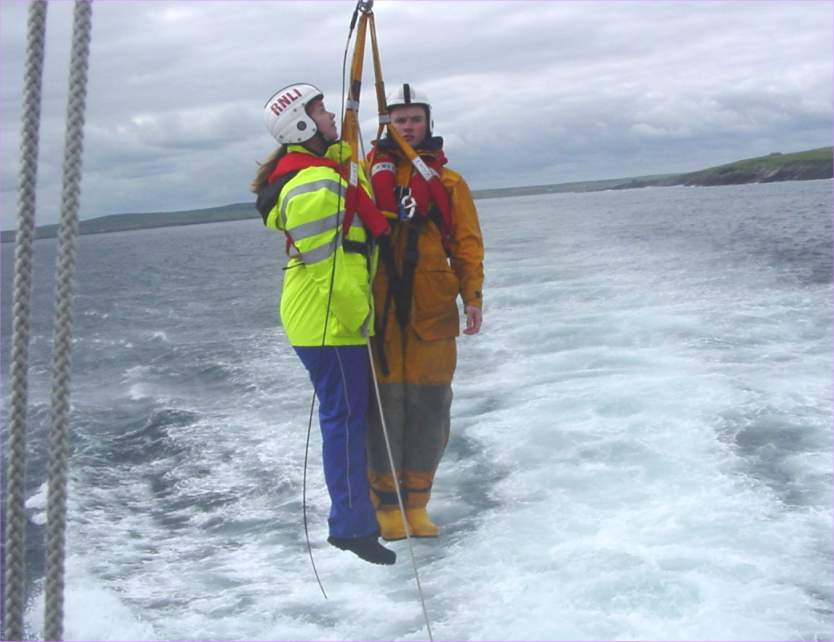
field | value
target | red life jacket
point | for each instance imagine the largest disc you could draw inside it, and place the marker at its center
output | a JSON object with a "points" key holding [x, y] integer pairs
{"points": [[383, 169], [356, 200]]}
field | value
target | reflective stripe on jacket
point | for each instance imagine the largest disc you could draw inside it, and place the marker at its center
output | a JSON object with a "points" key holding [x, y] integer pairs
{"points": [[310, 209]]}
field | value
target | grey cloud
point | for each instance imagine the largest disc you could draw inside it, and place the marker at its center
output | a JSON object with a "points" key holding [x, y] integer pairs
{"points": [[524, 92]]}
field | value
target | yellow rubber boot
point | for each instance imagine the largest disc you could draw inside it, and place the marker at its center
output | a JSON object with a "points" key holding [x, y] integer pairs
{"points": [[391, 525], [388, 514], [418, 491]]}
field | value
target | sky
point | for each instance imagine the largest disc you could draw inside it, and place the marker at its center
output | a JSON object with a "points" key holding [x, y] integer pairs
{"points": [[523, 92]]}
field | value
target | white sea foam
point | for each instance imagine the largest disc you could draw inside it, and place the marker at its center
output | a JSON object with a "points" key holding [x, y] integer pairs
{"points": [[91, 612], [36, 504], [138, 391], [641, 449]]}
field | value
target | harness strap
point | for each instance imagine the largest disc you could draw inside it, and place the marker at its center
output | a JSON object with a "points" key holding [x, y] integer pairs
{"points": [[386, 498], [410, 260], [357, 247], [400, 286]]}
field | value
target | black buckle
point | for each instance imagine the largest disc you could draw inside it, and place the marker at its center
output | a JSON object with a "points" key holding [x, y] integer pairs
{"points": [[356, 247]]}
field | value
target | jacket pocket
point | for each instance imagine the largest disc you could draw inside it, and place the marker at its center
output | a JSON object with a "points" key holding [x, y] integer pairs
{"points": [[434, 312], [350, 303]]}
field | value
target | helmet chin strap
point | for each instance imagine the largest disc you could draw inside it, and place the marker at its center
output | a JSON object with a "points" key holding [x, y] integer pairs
{"points": [[318, 144]]}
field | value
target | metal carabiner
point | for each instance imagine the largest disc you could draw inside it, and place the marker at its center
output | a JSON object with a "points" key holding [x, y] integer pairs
{"points": [[407, 206]]}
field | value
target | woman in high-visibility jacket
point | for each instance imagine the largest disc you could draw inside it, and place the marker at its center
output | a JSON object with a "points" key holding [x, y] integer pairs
{"points": [[433, 255], [326, 306]]}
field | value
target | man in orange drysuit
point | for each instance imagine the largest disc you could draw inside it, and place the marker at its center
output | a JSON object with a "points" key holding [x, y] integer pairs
{"points": [[434, 254]]}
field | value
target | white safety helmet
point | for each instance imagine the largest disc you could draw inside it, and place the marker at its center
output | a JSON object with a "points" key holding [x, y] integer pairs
{"points": [[404, 95], [285, 113]]}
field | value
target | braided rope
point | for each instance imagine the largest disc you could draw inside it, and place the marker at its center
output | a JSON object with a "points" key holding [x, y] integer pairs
{"points": [[15, 553], [62, 330]]}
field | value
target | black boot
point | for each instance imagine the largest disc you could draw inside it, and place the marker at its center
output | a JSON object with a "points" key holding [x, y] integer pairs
{"points": [[368, 548]]}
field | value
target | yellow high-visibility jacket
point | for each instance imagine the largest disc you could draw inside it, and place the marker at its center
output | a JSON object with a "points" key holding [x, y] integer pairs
{"points": [[310, 209]]}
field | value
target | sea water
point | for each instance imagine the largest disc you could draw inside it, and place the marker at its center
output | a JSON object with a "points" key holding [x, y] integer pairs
{"points": [[641, 438]]}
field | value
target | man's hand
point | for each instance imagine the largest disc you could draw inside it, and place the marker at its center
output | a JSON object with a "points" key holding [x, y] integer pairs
{"points": [[474, 317]]}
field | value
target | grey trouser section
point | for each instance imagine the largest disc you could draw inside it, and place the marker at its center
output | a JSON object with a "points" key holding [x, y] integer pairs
{"points": [[418, 420]]}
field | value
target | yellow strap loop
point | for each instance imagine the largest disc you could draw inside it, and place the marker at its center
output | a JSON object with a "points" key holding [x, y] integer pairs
{"points": [[350, 127]]}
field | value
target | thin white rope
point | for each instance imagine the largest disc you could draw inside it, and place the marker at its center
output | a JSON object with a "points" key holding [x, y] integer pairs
{"points": [[62, 329], [361, 142], [399, 493], [368, 6], [15, 543]]}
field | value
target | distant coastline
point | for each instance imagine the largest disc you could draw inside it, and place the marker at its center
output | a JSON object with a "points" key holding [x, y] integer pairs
{"points": [[807, 165]]}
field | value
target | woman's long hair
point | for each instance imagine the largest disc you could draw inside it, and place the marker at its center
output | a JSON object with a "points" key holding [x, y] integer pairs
{"points": [[266, 168]]}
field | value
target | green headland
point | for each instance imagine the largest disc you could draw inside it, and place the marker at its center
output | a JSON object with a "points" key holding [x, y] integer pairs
{"points": [[806, 165]]}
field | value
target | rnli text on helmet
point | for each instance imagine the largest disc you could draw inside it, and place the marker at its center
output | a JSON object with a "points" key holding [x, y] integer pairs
{"points": [[285, 100]]}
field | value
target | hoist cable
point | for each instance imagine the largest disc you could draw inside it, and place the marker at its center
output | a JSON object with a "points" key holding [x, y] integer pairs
{"points": [[350, 133], [381, 104]]}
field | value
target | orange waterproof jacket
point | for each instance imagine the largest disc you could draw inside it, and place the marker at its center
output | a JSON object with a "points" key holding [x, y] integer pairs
{"points": [[439, 277]]}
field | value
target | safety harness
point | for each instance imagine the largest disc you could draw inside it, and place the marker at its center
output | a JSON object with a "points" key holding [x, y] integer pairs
{"points": [[415, 205], [430, 196], [425, 183]]}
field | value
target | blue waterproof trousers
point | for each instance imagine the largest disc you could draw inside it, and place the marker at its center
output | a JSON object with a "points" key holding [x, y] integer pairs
{"points": [[340, 378]]}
